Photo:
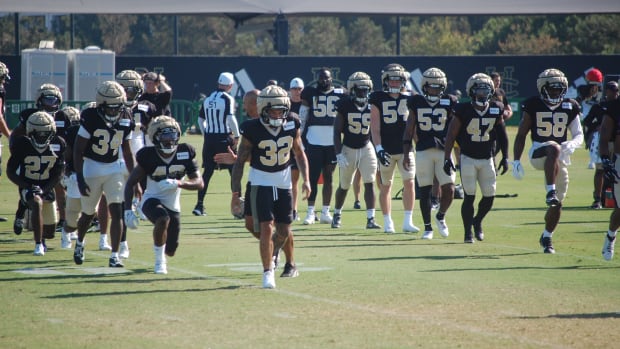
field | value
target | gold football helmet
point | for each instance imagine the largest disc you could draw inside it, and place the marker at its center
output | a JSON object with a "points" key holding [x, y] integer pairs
{"points": [[40, 128], [479, 88], [110, 100], [434, 84], [394, 71], [132, 83], [165, 132], [359, 85], [273, 97], [49, 98], [552, 86]]}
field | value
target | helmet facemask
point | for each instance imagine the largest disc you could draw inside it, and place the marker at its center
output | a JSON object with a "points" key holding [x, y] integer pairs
{"points": [[49, 104], [360, 95], [433, 92], [275, 115], [133, 93], [553, 92], [110, 112], [167, 140], [480, 94], [40, 128]]}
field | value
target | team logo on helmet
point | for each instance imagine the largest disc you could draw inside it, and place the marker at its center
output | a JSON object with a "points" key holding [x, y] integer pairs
{"points": [[110, 100], [359, 85], [164, 132], [49, 98], [273, 98], [394, 72], [40, 128], [434, 84], [552, 86], [480, 88], [132, 83]]}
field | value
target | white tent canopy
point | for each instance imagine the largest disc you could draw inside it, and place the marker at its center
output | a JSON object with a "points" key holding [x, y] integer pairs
{"points": [[391, 7]]}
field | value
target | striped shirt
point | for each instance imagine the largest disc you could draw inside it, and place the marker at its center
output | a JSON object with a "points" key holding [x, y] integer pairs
{"points": [[218, 107]]}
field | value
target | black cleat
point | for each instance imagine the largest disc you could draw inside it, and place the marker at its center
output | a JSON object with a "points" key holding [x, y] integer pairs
{"points": [[357, 205], [115, 262], [478, 231], [78, 254], [370, 224], [199, 210], [290, 271], [546, 244], [18, 226], [469, 238], [552, 198], [336, 220]]}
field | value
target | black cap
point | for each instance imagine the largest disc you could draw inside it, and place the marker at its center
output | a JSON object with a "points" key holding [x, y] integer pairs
{"points": [[612, 85]]}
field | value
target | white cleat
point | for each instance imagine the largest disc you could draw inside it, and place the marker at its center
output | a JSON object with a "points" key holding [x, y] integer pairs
{"points": [[123, 251], [326, 218], [608, 247], [65, 240], [442, 226], [310, 218], [74, 235], [428, 235], [103, 243], [389, 227], [161, 267], [269, 280], [410, 228], [39, 250]]}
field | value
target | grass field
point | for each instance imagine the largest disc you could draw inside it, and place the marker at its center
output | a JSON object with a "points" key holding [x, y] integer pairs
{"points": [[356, 289]]}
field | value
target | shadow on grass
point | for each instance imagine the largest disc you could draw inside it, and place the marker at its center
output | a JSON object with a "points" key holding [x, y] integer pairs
{"points": [[441, 258], [574, 316], [126, 293]]}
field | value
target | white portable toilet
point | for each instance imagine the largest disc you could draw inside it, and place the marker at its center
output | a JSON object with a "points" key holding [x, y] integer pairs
{"points": [[44, 65], [89, 68]]}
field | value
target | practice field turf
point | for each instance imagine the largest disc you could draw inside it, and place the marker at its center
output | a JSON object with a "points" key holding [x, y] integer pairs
{"points": [[356, 289]]}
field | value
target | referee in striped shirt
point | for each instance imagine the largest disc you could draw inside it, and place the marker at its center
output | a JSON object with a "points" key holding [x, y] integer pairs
{"points": [[219, 127]]}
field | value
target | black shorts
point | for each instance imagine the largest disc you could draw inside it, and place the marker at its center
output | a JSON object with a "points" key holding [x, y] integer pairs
{"points": [[153, 209], [215, 144], [321, 155], [270, 204]]}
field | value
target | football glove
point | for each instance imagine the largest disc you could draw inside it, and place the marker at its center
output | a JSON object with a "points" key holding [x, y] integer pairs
{"points": [[168, 183], [383, 156], [448, 167], [517, 170], [610, 170], [503, 166], [342, 160], [131, 220]]}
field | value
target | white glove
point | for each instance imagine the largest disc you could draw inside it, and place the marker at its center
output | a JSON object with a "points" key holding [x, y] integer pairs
{"points": [[167, 184], [342, 160], [131, 220], [568, 148], [517, 170]]}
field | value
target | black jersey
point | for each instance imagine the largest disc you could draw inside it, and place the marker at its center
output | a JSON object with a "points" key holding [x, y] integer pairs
{"points": [[295, 107], [182, 163], [142, 113], [431, 120], [25, 114], [550, 124], [478, 133], [105, 139], [322, 105], [612, 108], [62, 122], [70, 136], [356, 128], [161, 100], [394, 114], [271, 149], [37, 167]]}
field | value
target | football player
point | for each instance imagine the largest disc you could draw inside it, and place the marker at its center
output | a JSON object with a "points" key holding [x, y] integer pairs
{"points": [[72, 203], [388, 117], [354, 150], [49, 99], [4, 129], [36, 166], [548, 117], [317, 114], [267, 143], [429, 117], [609, 133], [164, 165], [142, 111], [477, 126], [103, 135]]}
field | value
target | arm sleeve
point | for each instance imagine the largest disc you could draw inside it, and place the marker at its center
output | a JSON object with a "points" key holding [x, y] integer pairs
{"points": [[576, 132], [231, 122]]}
